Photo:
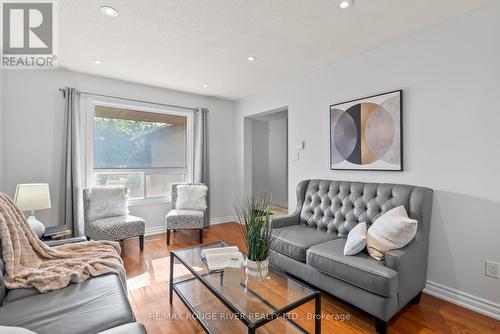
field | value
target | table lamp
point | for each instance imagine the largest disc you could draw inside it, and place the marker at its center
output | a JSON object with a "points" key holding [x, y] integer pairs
{"points": [[32, 197]]}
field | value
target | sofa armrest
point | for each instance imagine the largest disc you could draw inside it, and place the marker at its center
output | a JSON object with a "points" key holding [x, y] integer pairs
{"points": [[65, 241], [130, 328], [293, 219], [411, 264], [411, 261], [394, 258]]}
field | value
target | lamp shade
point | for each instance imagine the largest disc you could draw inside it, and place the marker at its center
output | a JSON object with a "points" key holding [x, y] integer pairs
{"points": [[32, 196]]}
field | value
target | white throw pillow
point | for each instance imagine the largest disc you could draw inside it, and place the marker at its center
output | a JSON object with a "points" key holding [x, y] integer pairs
{"points": [[191, 197], [393, 230], [105, 202], [356, 240]]}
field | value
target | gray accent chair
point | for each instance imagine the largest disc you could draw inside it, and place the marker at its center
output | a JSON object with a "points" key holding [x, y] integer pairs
{"points": [[309, 244], [184, 219], [116, 228], [97, 305]]}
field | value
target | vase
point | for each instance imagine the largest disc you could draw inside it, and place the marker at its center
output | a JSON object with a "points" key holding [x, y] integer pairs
{"points": [[36, 225], [257, 269]]}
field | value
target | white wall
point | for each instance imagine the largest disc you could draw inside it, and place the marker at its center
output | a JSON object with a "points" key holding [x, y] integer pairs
{"points": [[278, 175], [32, 128], [450, 75]]}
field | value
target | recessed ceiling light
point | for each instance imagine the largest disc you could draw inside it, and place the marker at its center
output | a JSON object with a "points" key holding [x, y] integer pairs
{"points": [[205, 85], [252, 58], [97, 61], [346, 4], [109, 11]]}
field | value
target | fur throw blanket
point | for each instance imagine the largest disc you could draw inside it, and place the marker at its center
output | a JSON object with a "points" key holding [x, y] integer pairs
{"points": [[30, 263]]}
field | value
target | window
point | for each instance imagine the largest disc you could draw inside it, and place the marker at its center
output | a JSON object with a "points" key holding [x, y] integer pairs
{"points": [[146, 151]]}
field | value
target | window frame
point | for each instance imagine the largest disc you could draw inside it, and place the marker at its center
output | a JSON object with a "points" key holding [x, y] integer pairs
{"points": [[93, 102]]}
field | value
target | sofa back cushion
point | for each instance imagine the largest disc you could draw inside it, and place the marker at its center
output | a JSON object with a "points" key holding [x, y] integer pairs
{"points": [[338, 206]]}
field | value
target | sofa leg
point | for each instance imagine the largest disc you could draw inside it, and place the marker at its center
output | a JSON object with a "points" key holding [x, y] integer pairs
{"points": [[88, 238], [201, 235], [141, 242], [381, 326], [168, 237], [416, 299]]}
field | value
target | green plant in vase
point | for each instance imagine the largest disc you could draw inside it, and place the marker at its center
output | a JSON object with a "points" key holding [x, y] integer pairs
{"points": [[255, 217]]}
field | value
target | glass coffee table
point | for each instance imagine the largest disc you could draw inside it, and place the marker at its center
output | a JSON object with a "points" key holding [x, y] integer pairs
{"points": [[227, 302]]}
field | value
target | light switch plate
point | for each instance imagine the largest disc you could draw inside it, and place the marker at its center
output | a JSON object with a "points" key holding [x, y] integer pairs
{"points": [[491, 269], [301, 145]]}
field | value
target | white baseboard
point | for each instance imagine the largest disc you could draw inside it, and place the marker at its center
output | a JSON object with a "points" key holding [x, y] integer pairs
{"points": [[222, 220], [213, 221], [463, 299], [155, 230], [281, 204]]}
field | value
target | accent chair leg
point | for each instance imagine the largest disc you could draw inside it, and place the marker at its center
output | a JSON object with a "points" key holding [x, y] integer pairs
{"points": [[141, 242], [201, 235], [88, 238], [168, 237], [416, 299], [381, 326]]}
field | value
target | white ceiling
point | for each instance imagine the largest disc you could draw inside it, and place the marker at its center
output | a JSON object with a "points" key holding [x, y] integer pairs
{"points": [[181, 44]]}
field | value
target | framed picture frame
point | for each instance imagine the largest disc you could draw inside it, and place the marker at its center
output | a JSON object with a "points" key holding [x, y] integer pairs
{"points": [[367, 133]]}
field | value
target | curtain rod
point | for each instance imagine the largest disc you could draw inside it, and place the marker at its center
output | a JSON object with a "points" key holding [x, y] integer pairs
{"points": [[132, 100]]}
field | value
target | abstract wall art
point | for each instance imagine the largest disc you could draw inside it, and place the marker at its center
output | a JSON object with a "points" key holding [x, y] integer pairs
{"points": [[366, 134]]}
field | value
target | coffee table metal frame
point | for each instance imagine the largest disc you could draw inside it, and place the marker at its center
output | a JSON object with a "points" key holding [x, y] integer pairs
{"points": [[251, 326]]}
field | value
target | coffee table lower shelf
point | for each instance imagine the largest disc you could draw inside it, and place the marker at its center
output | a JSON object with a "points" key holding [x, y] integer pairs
{"points": [[214, 317]]}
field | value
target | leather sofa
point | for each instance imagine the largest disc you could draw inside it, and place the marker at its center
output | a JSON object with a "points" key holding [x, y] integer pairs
{"points": [[97, 305], [309, 244]]}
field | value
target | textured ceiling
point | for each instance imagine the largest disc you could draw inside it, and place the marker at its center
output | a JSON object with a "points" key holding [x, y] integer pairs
{"points": [[181, 44]]}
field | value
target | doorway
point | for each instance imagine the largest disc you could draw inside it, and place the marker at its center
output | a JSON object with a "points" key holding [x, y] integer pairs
{"points": [[269, 158]]}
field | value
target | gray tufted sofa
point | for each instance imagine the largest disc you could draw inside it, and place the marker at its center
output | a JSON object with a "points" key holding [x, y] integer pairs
{"points": [[309, 244]]}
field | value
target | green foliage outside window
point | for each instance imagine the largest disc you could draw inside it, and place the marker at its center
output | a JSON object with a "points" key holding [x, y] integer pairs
{"points": [[121, 143]]}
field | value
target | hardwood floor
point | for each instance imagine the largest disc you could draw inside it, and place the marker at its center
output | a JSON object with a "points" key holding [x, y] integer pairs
{"points": [[148, 276]]}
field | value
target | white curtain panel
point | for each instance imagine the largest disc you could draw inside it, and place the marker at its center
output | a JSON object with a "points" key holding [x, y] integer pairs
{"points": [[201, 160], [71, 186]]}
